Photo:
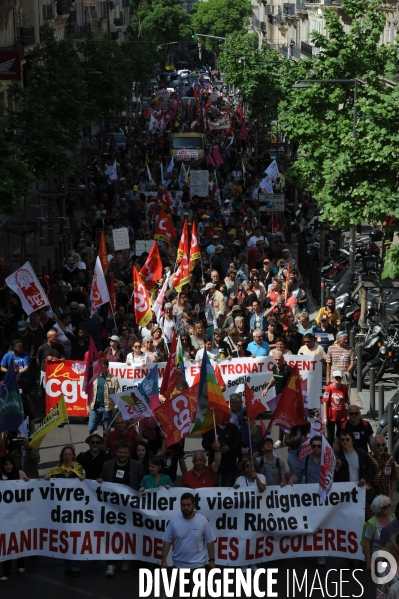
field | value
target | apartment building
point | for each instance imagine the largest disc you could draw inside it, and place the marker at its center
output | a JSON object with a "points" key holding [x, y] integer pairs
{"points": [[21, 28], [287, 26]]}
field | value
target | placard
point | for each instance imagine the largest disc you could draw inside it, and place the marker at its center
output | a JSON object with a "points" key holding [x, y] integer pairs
{"points": [[187, 154], [121, 239], [273, 202], [199, 183], [143, 246]]}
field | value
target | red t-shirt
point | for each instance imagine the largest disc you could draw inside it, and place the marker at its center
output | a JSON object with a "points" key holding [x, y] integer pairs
{"points": [[336, 398], [113, 440], [193, 481]]}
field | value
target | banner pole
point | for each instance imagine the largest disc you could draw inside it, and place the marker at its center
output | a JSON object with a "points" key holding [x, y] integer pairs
{"points": [[214, 425], [250, 440], [114, 418], [69, 431]]}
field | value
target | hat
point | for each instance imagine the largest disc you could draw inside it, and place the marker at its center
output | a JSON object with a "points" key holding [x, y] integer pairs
{"points": [[341, 334], [75, 283], [231, 271], [236, 242], [236, 309], [218, 249], [324, 317], [285, 250], [217, 236], [89, 438], [227, 201], [266, 261], [209, 286], [135, 187], [22, 326], [231, 232], [73, 304], [337, 373], [185, 213], [206, 216], [114, 338]]}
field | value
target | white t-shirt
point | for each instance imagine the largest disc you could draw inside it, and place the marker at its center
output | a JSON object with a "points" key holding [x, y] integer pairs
{"points": [[252, 241], [353, 461], [132, 359], [243, 482], [189, 538]]}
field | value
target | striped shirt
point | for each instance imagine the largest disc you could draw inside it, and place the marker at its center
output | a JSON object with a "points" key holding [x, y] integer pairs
{"points": [[340, 357]]}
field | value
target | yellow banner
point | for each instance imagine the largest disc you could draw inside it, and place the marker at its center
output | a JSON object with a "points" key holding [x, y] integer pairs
{"points": [[54, 418]]}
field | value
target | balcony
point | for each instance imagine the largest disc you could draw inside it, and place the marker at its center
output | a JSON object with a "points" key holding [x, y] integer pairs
{"points": [[306, 50], [48, 12], [289, 9], [78, 32], [118, 22], [269, 9], [26, 35], [63, 7], [300, 6], [263, 27]]}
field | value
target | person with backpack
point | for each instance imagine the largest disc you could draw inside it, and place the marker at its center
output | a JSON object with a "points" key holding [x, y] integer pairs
{"points": [[381, 507], [361, 429], [271, 467]]}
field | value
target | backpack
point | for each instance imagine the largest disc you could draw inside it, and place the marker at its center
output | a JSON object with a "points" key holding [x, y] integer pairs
{"points": [[373, 528], [262, 461]]}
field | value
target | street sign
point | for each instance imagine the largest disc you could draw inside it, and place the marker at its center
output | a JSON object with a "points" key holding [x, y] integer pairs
{"points": [[273, 202], [370, 264]]}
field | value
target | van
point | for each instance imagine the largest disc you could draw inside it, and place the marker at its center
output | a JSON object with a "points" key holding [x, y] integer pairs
{"points": [[186, 146]]}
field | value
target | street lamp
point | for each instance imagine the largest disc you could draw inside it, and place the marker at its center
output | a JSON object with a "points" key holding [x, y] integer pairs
{"points": [[306, 84]]}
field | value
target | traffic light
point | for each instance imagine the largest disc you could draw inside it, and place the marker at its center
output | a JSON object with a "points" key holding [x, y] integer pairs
{"points": [[192, 35]]}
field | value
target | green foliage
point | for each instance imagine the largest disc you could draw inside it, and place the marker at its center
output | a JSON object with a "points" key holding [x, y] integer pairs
{"points": [[222, 18], [391, 265], [353, 180], [258, 73], [51, 109], [14, 173]]}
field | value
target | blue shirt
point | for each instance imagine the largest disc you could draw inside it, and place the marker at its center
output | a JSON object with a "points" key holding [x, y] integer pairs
{"points": [[21, 361], [259, 350], [311, 472]]}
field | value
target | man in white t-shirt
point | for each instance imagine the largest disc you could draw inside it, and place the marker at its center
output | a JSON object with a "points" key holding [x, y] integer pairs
{"points": [[311, 348], [191, 536], [257, 237]]}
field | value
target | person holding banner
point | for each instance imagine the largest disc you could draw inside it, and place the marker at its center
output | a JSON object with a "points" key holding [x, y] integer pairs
{"points": [[250, 476], [26, 457], [50, 349], [102, 405]]}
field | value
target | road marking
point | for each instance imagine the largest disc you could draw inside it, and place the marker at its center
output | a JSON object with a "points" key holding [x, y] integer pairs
{"points": [[65, 586]]}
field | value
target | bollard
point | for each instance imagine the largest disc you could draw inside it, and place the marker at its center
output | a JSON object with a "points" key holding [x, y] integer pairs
{"points": [[323, 292], [372, 392], [352, 338], [390, 426], [381, 401], [359, 386]]}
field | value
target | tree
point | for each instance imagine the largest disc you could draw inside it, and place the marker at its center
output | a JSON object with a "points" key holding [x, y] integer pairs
{"points": [[258, 73], [352, 179], [15, 176], [221, 18], [51, 110], [161, 22]]}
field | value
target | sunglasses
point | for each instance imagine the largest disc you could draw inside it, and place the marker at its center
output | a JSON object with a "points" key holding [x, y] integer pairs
{"points": [[316, 446], [124, 329], [345, 440], [380, 444], [248, 466], [74, 309], [354, 413], [137, 346], [384, 507], [95, 443]]}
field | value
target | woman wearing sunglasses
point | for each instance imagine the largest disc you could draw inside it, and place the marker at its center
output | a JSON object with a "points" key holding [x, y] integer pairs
{"points": [[137, 356], [250, 477]]}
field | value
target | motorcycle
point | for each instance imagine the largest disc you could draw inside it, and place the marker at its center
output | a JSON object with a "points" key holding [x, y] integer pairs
{"points": [[382, 428], [387, 360]]}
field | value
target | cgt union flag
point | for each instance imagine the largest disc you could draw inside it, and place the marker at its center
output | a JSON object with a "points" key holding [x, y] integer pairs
{"points": [[25, 284], [327, 468], [176, 416], [152, 269], [99, 294], [142, 302], [165, 230]]}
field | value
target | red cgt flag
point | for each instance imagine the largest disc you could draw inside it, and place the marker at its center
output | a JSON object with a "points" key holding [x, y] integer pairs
{"points": [[165, 230], [169, 377], [165, 201], [290, 410], [253, 406], [177, 415], [195, 250], [152, 269], [102, 252], [93, 370], [142, 302], [183, 243]]}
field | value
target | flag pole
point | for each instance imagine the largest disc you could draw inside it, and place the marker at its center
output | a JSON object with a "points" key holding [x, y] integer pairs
{"points": [[214, 424], [69, 430], [250, 440], [114, 418], [112, 312]]}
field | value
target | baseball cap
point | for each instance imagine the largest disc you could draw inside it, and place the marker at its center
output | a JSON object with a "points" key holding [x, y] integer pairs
{"points": [[22, 326], [231, 271], [337, 373], [114, 338], [341, 334], [209, 286], [324, 317], [216, 236], [135, 187]]}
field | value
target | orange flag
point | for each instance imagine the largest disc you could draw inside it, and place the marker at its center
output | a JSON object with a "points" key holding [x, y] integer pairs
{"points": [[102, 252], [290, 410], [152, 269], [182, 275], [142, 302], [195, 251], [183, 243]]}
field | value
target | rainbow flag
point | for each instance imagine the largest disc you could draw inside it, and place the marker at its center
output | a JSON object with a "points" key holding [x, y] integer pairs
{"points": [[211, 402], [180, 357]]}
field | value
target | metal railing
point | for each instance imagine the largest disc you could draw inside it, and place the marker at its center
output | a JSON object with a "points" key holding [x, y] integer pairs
{"points": [[288, 9], [77, 31], [26, 35], [306, 49], [63, 7]]}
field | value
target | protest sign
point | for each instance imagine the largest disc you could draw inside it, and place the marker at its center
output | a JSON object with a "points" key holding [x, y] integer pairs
{"points": [[143, 246], [66, 377], [71, 519], [199, 183], [121, 239]]}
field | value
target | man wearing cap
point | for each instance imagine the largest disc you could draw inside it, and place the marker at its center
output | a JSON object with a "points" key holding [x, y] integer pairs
{"points": [[231, 282], [324, 332], [93, 459], [19, 357], [76, 295], [340, 356], [265, 275], [334, 399], [215, 299], [210, 250], [102, 405], [26, 336]]}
